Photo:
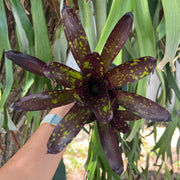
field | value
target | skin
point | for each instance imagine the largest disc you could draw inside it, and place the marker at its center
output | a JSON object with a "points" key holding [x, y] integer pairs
{"points": [[32, 161]]}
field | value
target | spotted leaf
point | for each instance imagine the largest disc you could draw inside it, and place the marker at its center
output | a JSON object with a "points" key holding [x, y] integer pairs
{"points": [[143, 107], [27, 62], [130, 71], [93, 66], [68, 128], [75, 35], [102, 109], [117, 39], [44, 100], [110, 144], [63, 74], [119, 119]]}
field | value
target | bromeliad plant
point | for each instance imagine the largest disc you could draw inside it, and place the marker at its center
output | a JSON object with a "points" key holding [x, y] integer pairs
{"points": [[95, 90]]}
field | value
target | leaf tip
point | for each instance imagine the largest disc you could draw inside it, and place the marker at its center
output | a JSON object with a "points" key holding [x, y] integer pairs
{"points": [[130, 14], [15, 106], [119, 171]]}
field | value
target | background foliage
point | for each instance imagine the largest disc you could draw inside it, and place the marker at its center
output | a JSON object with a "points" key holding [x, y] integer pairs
{"points": [[156, 33]]}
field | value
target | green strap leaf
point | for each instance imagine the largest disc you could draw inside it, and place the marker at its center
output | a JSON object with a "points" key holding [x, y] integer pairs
{"points": [[165, 139], [172, 82], [24, 27], [4, 45], [42, 45], [86, 15], [60, 45], [100, 16], [118, 8], [172, 14], [144, 28]]}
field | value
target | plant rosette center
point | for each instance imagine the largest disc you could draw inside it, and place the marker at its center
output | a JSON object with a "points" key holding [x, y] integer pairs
{"points": [[91, 91]]}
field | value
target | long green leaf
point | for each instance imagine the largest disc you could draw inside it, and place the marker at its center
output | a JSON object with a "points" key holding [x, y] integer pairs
{"points": [[60, 46], [165, 139], [4, 45], [172, 13], [86, 15], [118, 8], [25, 36], [100, 16], [172, 82], [24, 27], [42, 45], [144, 28]]}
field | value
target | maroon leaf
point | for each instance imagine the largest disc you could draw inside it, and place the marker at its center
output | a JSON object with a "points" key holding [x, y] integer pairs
{"points": [[75, 35], [142, 106], [102, 109], [63, 74], [44, 100], [93, 66], [120, 125], [130, 71], [27, 62], [117, 39], [119, 119], [110, 144], [68, 128], [126, 115]]}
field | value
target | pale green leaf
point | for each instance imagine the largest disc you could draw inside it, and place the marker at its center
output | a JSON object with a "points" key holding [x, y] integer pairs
{"points": [[60, 46], [171, 13], [118, 9], [86, 15], [24, 27], [42, 45]]}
